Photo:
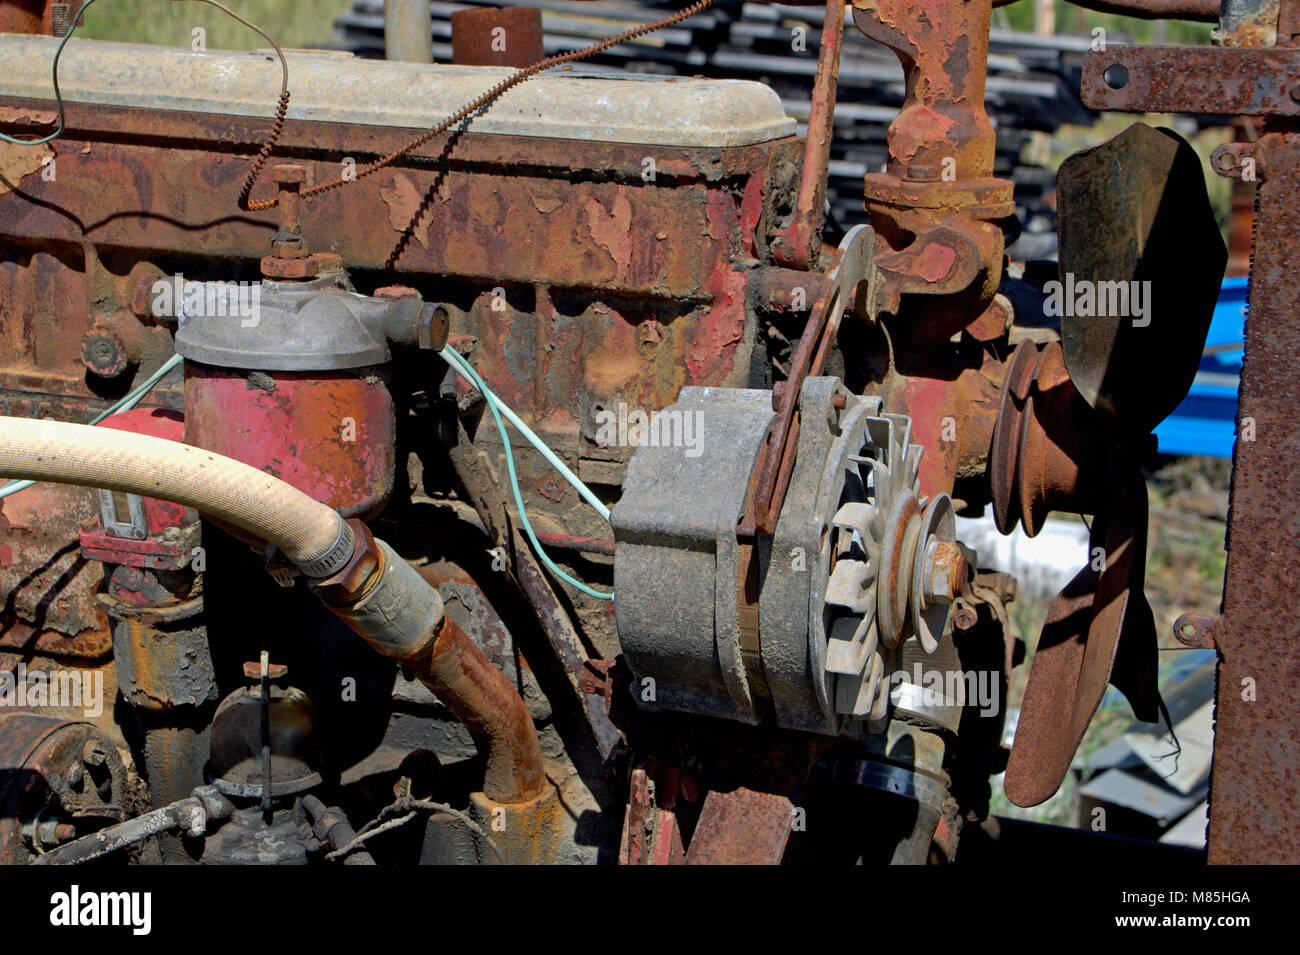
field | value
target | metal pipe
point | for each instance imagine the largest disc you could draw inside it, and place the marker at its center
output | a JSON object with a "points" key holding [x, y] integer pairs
{"points": [[192, 814], [1203, 11], [799, 244], [586, 545], [399, 613], [464, 679], [330, 824], [408, 31]]}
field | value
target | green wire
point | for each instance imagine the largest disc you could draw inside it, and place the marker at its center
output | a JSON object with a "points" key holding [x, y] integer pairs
{"points": [[54, 75], [463, 368]]}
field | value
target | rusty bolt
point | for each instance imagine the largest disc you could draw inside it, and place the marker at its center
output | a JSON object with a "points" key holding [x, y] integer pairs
{"points": [[964, 616], [103, 352], [289, 173], [945, 572], [144, 278], [920, 172], [94, 753], [288, 242], [110, 346], [1295, 92]]}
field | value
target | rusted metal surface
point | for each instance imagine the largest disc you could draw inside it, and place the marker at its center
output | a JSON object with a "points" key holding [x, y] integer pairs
{"points": [[1134, 214], [588, 545], [1075, 420], [471, 687], [166, 675], [953, 404], [1044, 449], [26, 16], [330, 434], [169, 532], [1232, 81], [466, 602], [162, 655], [490, 36], [749, 813], [1052, 452], [53, 769], [650, 832], [799, 244], [1255, 791], [580, 324], [1204, 11], [1099, 630], [1248, 23], [936, 202], [850, 267], [1197, 630], [49, 585]]}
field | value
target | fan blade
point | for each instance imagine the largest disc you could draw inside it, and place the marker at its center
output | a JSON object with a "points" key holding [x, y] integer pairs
{"points": [[1135, 210], [850, 585], [1079, 646]]}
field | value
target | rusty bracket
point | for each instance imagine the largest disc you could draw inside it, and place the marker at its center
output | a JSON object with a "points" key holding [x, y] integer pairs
{"points": [[799, 244], [1197, 631], [1227, 81], [1237, 161], [651, 835], [853, 265]]}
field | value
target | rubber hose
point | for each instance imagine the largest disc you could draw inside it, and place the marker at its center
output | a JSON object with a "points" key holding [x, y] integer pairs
{"points": [[308, 532]]}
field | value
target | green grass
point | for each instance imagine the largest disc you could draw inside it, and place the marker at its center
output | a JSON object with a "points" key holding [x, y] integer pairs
{"points": [[304, 23], [307, 23]]}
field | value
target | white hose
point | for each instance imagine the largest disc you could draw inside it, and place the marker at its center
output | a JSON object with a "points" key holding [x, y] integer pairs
{"points": [[309, 533]]}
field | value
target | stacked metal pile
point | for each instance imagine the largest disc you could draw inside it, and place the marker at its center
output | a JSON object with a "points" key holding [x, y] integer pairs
{"points": [[1033, 81]]}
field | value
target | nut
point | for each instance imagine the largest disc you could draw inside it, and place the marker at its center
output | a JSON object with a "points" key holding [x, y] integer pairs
{"points": [[946, 570]]}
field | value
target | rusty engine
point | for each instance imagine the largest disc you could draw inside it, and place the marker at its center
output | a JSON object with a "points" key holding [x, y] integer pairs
{"points": [[492, 461]]}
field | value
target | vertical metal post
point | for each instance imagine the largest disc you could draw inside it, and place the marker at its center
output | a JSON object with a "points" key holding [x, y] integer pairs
{"points": [[408, 31]]}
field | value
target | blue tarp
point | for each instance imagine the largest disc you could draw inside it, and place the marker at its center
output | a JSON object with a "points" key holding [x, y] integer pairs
{"points": [[1205, 422]]}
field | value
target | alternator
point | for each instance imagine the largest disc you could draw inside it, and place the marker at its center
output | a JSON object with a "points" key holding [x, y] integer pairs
{"points": [[859, 563]]}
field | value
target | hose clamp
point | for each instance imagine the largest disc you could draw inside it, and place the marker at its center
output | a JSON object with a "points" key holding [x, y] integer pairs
{"points": [[334, 558]]}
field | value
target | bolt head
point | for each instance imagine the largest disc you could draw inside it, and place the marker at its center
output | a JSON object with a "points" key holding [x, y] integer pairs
{"points": [[920, 172], [945, 573], [103, 352], [289, 173], [94, 753]]}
